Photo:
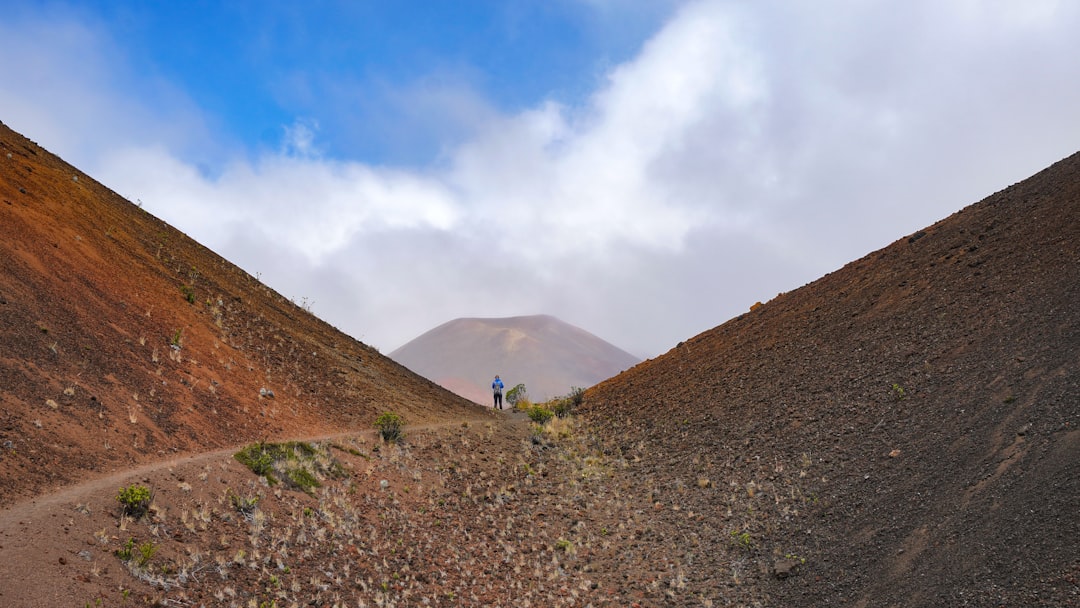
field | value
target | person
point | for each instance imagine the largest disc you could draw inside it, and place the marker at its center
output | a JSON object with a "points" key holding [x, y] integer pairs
{"points": [[497, 389]]}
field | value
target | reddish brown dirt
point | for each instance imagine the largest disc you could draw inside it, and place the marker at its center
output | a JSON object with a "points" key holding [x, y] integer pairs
{"points": [[93, 291], [902, 432]]}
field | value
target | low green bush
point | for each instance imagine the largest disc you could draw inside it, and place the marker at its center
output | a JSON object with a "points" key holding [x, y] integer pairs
{"points": [[297, 463], [390, 425], [540, 414], [134, 500], [516, 394]]}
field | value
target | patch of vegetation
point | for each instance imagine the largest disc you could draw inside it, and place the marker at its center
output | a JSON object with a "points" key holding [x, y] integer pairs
{"points": [[259, 457], [134, 500], [139, 555], [742, 539], [177, 338], [795, 558], [390, 425], [245, 505], [297, 463], [516, 394], [540, 414], [898, 391], [303, 479], [189, 293]]}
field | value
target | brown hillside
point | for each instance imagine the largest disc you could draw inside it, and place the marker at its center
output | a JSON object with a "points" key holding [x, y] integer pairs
{"points": [[93, 291], [908, 425]]}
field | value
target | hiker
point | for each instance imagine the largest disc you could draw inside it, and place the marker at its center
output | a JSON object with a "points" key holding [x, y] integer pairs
{"points": [[497, 388]]}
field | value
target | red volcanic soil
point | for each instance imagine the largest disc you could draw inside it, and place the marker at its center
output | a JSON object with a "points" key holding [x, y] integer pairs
{"points": [[123, 341]]}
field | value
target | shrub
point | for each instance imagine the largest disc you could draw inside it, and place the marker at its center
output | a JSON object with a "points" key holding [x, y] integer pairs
{"points": [[259, 457], [561, 407], [389, 425], [564, 406], [577, 396], [294, 462], [140, 555], [146, 553], [303, 479], [742, 539], [134, 500], [539, 414], [243, 504], [516, 394], [189, 293], [126, 552]]}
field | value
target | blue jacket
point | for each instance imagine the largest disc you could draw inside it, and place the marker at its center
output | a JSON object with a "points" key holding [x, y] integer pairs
{"points": [[497, 385]]}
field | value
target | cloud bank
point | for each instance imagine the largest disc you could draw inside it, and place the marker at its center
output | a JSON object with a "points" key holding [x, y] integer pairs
{"points": [[745, 150]]}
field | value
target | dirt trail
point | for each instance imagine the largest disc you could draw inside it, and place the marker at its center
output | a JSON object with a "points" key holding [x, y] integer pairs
{"points": [[86, 512]]}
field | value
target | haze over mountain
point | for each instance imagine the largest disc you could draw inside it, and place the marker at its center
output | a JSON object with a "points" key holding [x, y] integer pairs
{"points": [[545, 354]]}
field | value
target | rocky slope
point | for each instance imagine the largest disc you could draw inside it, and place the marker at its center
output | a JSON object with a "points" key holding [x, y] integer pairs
{"points": [[907, 425]]}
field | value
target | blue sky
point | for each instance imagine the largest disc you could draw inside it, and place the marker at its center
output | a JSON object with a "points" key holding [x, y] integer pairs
{"points": [[644, 169], [255, 67]]}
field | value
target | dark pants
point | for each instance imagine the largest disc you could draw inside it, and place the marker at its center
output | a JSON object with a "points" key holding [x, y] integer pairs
{"points": [[498, 400]]}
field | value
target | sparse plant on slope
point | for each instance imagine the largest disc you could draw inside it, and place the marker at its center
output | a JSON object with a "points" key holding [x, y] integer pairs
{"points": [[898, 391], [577, 395], [564, 406], [138, 555], [244, 504], [516, 394], [540, 414], [297, 463], [742, 539], [134, 500], [389, 425], [189, 293]]}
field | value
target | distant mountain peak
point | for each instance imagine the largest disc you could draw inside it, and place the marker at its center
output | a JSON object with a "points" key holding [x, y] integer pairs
{"points": [[546, 354]]}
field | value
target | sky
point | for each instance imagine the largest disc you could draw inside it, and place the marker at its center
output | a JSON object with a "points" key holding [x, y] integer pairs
{"points": [[643, 169]]}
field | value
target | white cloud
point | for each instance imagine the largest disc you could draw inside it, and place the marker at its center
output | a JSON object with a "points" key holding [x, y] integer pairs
{"points": [[747, 149], [299, 138]]}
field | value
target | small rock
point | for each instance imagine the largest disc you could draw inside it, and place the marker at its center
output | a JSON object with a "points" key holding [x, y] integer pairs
{"points": [[894, 453], [784, 568], [384, 484]]}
